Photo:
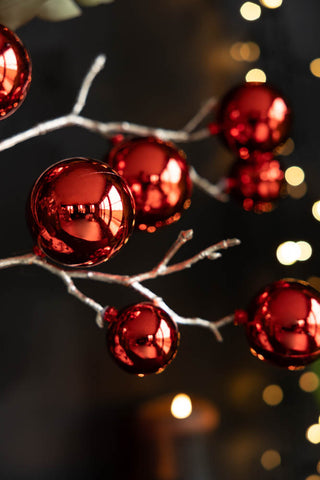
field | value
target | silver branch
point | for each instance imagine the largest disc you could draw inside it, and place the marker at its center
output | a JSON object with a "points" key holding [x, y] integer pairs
{"points": [[188, 134], [134, 281]]}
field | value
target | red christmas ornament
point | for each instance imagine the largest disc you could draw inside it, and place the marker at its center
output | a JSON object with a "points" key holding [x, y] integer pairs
{"points": [[15, 72], [142, 338], [80, 212], [158, 176], [257, 185], [254, 116], [283, 324]]}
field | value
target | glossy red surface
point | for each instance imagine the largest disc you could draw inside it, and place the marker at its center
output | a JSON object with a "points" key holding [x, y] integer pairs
{"points": [[283, 324], [257, 185], [142, 339], [254, 116], [15, 72], [158, 176], [80, 212]]}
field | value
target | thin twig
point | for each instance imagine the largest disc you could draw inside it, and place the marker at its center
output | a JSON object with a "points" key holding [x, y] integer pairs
{"points": [[216, 191], [132, 281], [204, 111]]}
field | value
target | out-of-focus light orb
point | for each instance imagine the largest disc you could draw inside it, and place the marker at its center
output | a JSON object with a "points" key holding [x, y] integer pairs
{"points": [[313, 433], [305, 250], [313, 477], [309, 382], [315, 67], [297, 192], [294, 176], [288, 253], [270, 459], [250, 11], [249, 51], [286, 148], [235, 51], [181, 406], [316, 210], [256, 75], [271, 3], [318, 467], [272, 395]]}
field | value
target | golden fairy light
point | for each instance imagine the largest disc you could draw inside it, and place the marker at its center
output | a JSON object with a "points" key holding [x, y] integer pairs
{"points": [[245, 51], [181, 406], [297, 192], [250, 11], [256, 75], [315, 67], [305, 250], [270, 459], [313, 477], [316, 210], [286, 148], [288, 253], [271, 3], [309, 382], [294, 176], [313, 433], [235, 51], [272, 395]]}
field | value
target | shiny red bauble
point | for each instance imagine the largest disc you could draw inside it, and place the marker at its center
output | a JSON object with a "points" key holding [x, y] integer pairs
{"points": [[254, 116], [256, 184], [142, 338], [80, 212], [15, 72], [158, 176], [283, 324]]}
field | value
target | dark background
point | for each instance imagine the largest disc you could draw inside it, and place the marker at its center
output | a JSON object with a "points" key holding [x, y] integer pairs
{"points": [[66, 410]]}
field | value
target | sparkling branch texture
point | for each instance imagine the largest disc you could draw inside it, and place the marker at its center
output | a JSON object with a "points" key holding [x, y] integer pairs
{"points": [[109, 129], [134, 281]]}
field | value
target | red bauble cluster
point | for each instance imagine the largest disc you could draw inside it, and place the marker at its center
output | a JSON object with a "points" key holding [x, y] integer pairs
{"points": [[81, 212], [142, 338], [253, 119], [283, 324], [15, 72], [158, 176]]}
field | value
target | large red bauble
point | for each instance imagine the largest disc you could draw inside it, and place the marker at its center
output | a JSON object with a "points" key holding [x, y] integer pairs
{"points": [[15, 72], [254, 116], [158, 176], [80, 212], [142, 338], [257, 185], [283, 324]]}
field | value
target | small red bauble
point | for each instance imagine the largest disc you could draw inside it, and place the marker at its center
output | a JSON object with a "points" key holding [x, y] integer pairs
{"points": [[158, 176], [15, 72], [257, 185], [80, 212], [142, 338], [254, 116], [283, 324]]}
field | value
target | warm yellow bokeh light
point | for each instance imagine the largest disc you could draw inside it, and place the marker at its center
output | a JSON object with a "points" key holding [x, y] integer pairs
{"points": [[316, 210], [245, 51], [286, 148], [313, 433], [297, 192], [288, 253], [271, 3], [309, 382], [270, 459], [256, 75], [313, 477], [181, 406], [315, 67], [272, 395], [250, 11], [294, 176], [305, 250], [318, 467], [235, 51]]}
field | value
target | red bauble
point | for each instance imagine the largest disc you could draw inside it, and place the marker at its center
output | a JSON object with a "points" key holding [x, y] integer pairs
{"points": [[257, 185], [15, 72], [142, 338], [80, 212], [283, 324], [158, 176], [254, 116]]}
